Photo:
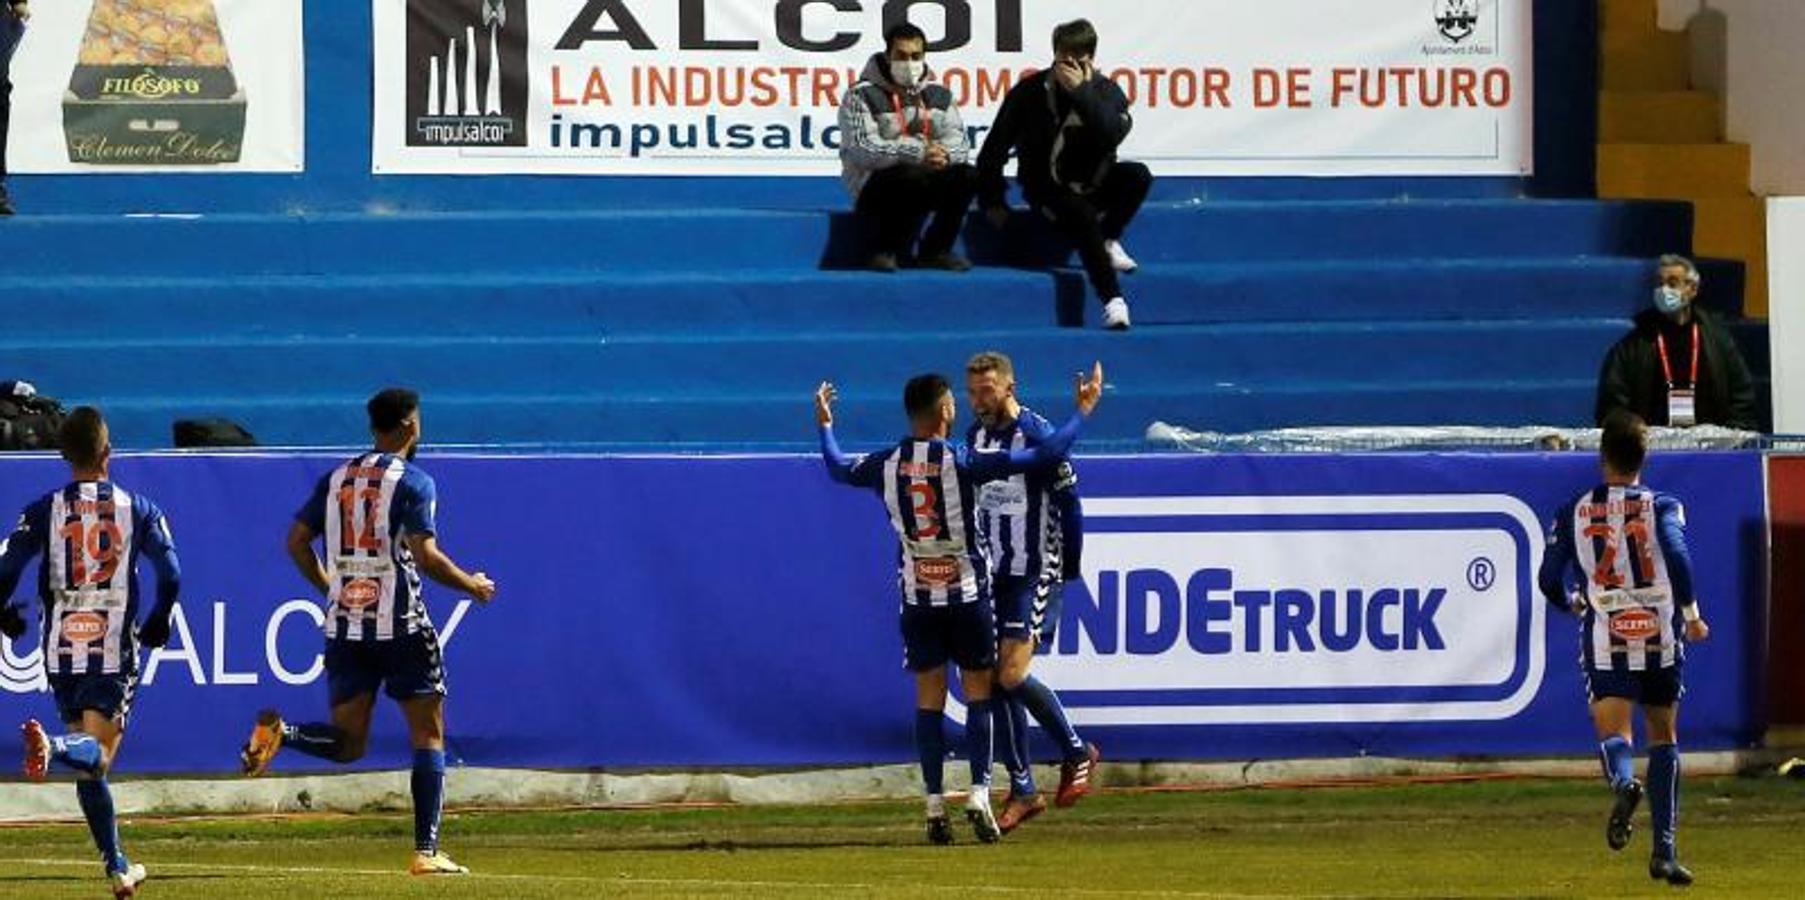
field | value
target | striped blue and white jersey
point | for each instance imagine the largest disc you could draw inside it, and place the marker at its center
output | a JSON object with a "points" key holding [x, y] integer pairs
{"points": [[1024, 518], [1627, 545], [92, 534], [364, 511], [928, 487]]}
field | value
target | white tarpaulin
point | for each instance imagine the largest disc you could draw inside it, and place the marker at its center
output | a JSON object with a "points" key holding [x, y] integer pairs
{"points": [[105, 86], [750, 87]]}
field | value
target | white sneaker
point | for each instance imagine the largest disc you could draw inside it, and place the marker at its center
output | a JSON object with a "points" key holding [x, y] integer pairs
{"points": [[125, 884], [1115, 315], [1119, 258], [983, 820], [434, 864]]}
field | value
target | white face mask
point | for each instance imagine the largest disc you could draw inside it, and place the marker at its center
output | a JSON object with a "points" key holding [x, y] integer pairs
{"points": [[908, 73], [1669, 300]]}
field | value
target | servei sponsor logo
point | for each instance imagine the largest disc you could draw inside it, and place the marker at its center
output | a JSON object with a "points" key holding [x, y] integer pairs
{"points": [[1207, 610]]}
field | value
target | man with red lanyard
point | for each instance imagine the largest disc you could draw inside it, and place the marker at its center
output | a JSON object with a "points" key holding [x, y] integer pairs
{"points": [[1678, 366], [904, 154]]}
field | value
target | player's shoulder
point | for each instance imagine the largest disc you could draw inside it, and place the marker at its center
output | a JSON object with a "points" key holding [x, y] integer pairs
{"points": [[143, 507], [1033, 424], [35, 514], [415, 479], [1668, 505]]}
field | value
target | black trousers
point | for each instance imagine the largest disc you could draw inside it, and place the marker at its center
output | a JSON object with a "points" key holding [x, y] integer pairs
{"points": [[1089, 220], [6, 113], [898, 199]]}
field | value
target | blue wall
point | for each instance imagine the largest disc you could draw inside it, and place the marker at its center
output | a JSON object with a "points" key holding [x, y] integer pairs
{"points": [[717, 611]]}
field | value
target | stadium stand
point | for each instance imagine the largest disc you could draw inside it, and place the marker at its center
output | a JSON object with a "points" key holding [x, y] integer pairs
{"points": [[689, 313]]}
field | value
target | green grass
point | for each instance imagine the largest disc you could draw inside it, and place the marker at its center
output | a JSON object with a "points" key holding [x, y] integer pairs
{"points": [[1488, 839]]}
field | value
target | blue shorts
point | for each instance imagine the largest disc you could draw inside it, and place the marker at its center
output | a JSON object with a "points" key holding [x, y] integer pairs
{"points": [[1028, 608], [1649, 687], [411, 665], [109, 695], [965, 634]]}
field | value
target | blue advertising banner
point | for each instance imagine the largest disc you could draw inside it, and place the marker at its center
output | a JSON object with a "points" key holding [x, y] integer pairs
{"points": [[741, 611]]}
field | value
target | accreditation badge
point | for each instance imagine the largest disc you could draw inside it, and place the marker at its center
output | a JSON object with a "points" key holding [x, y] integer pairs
{"points": [[1682, 407]]}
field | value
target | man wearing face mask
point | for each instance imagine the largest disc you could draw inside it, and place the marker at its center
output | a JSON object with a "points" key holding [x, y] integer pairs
{"points": [[1678, 366], [904, 154], [1064, 126]]}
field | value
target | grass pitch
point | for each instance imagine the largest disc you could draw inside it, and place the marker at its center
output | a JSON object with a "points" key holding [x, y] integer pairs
{"points": [[1509, 838]]}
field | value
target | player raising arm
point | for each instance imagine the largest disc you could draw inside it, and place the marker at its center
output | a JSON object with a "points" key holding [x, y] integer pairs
{"points": [[928, 486]]}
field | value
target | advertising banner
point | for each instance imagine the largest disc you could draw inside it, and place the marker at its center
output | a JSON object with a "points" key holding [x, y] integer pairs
{"points": [[107, 86], [751, 87], [742, 611]]}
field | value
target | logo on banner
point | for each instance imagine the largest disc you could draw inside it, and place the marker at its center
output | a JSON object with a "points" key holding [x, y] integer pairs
{"points": [[466, 73], [1241, 610], [1456, 19], [21, 673]]}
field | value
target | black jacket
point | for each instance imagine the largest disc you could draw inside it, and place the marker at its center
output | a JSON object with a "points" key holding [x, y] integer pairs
{"points": [[1631, 377], [1060, 139]]}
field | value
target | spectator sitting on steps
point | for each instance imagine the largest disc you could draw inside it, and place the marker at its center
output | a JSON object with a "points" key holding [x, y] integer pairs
{"points": [[1064, 126], [904, 154]]}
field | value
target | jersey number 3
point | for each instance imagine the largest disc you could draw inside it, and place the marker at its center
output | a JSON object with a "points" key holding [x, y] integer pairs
{"points": [[926, 500]]}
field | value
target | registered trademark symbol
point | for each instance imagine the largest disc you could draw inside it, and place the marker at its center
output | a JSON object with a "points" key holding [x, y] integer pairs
{"points": [[1481, 574]]}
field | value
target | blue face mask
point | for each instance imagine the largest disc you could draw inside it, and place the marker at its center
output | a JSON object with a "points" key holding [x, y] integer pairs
{"points": [[1669, 300]]}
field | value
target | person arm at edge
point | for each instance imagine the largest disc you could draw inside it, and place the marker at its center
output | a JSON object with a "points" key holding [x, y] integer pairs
{"points": [[309, 523], [1670, 533], [1103, 108], [1066, 504], [159, 548], [1071, 522], [1738, 381], [865, 472], [993, 188], [16, 551], [1557, 561], [990, 465], [864, 144], [417, 515], [1614, 382]]}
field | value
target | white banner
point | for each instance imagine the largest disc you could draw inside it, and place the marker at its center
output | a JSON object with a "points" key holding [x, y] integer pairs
{"points": [[750, 87], [158, 85], [1305, 609]]}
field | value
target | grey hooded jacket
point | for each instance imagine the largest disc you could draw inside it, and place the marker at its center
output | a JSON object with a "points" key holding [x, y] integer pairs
{"points": [[883, 124]]}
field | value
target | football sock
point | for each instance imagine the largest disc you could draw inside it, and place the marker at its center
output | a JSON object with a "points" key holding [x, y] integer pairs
{"points": [[930, 745], [1615, 754], [1047, 710], [1664, 796], [315, 739], [78, 752], [1009, 719], [977, 742], [97, 807], [429, 798]]}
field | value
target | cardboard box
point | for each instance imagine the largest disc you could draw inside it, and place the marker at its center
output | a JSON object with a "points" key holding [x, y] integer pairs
{"points": [[153, 86]]}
